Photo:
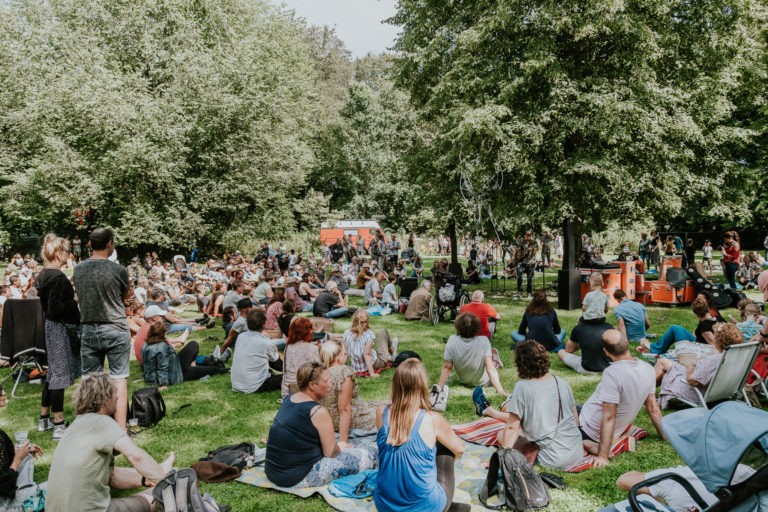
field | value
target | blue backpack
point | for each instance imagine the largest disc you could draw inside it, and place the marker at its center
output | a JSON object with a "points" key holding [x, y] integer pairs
{"points": [[358, 486]]}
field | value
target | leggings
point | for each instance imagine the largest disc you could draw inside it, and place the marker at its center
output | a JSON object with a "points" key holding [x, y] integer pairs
{"points": [[53, 398], [444, 461], [187, 356]]}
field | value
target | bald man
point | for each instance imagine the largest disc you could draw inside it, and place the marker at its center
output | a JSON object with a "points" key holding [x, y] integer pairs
{"points": [[627, 385], [484, 312]]}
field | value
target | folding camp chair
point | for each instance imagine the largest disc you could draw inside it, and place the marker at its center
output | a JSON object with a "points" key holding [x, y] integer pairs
{"points": [[22, 342], [730, 377]]}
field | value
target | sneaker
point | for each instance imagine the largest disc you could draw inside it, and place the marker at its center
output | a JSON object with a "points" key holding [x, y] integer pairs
{"points": [[216, 352], [395, 342], [481, 403], [226, 355], [58, 431], [44, 424]]}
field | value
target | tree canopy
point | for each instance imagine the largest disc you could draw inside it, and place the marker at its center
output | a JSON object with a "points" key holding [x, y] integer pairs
{"points": [[588, 110]]}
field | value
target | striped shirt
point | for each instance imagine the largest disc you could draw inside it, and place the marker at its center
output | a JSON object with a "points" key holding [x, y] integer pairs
{"points": [[356, 348]]}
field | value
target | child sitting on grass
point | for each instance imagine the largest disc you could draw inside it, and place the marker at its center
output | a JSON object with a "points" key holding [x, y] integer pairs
{"points": [[595, 304]]}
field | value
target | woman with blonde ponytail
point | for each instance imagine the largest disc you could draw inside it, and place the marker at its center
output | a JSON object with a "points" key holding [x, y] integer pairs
{"points": [[417, 449], [62, 341]]}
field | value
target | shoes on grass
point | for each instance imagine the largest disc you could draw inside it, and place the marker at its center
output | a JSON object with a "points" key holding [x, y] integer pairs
{"points": [[226, 355], [58, 431], [44, 424], [481, 403]]}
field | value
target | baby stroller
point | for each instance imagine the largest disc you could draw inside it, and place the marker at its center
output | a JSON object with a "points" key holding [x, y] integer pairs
{"points": [[714, 443], [449, 296]]}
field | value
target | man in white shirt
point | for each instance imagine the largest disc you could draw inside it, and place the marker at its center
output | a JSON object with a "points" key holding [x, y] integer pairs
{"points": [[15, 288], [626, 385], [255, 358]]}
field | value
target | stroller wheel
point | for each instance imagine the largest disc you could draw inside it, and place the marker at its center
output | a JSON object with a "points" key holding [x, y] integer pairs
{"points": [[434, 311]]}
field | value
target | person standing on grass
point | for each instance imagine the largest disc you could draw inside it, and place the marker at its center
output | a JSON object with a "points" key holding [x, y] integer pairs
{"points": [[62, 342], [102, 286]]}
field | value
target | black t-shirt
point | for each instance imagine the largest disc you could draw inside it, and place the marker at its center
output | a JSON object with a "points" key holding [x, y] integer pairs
{"points": [[542, 328], [324, 303], [704, 326], [590, 339]]}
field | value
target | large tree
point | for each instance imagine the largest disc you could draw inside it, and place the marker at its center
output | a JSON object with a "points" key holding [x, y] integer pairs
{"points": [[169, 120], [585, 110]]}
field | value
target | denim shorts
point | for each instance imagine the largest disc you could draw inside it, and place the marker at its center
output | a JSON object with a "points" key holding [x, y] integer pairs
{"points": [[106, 341]]}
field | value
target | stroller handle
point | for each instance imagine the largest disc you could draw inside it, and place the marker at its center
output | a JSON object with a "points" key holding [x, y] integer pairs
{"points": [[635, 504]]}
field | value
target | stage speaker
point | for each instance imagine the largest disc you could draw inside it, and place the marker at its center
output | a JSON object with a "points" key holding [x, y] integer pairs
{"points": [[569, 289]]}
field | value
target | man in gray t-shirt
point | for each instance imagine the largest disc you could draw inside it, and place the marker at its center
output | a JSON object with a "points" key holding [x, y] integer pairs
{"points": [[255, 358], [470, 355], [101, 287]]}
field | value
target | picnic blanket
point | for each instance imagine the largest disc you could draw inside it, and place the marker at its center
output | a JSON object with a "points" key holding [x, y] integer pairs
{"points": [[485, 431], [470, 475]]}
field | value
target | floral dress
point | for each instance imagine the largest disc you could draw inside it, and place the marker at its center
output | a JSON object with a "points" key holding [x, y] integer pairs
{"points": [[363, 413]]}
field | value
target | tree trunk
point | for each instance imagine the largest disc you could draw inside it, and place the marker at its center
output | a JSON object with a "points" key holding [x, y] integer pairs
{"points": [[455, 266]]}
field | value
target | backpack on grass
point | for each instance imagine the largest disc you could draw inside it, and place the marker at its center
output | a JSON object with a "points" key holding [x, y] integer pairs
{"points": [[236, 455], [523, 487], [147, 406], [178, 492]]}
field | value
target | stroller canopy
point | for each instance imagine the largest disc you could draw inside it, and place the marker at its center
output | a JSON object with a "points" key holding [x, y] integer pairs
{"points": [[712, 442]]}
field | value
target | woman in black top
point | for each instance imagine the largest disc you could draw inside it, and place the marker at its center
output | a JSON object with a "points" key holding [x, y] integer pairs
{"points": [[287, 316], [16, 469], [62, 342], [540, 323], [704, 332], [301, 447]]}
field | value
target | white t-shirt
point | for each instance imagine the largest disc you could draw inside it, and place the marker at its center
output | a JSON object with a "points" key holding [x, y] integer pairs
{"points": [[260, 293], [16, 293], [626, 383], [372, 287], [250, 363], [388, 295], [468, 358]]}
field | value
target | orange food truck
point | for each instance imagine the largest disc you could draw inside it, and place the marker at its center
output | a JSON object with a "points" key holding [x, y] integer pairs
{"points": [[366, 229]]}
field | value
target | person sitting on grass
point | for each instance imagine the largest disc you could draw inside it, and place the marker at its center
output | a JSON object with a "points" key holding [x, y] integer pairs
{"points": [[347, 409], [173, 321], [331, 303], [595, 304], [301, 447], [540, 323], [485, 312], [704, 332], [418, 303], [161, 365], [389, 294], [240, 325], [373, 293], [83, 472], [300, 348], [17, 469], [470, 355], [541, 411], [678, 381], [417, 449], [256, 358], [626, 385], [588, 338], [359, 340], [631, 317]]}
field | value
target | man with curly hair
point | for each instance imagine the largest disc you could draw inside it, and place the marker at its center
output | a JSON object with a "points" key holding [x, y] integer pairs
{"points": [[83, 471]]}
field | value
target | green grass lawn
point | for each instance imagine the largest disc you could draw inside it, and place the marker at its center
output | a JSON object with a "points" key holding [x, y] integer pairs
{"points": [[218, 416]]}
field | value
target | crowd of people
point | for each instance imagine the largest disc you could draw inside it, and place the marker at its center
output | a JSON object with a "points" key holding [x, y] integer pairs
{"points": [[109, 313]]}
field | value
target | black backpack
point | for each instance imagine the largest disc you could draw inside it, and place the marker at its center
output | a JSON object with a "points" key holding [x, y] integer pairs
{"points": [[232, 455], [523, 487], [147, 406], [178, 492]]}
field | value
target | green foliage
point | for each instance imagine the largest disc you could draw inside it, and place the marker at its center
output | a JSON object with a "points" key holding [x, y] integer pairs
{"points": [[362, 157], [584, 110], [170, 120]]}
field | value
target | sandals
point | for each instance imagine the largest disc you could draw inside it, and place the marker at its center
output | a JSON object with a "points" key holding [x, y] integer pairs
{"points": [[212, 338]]}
